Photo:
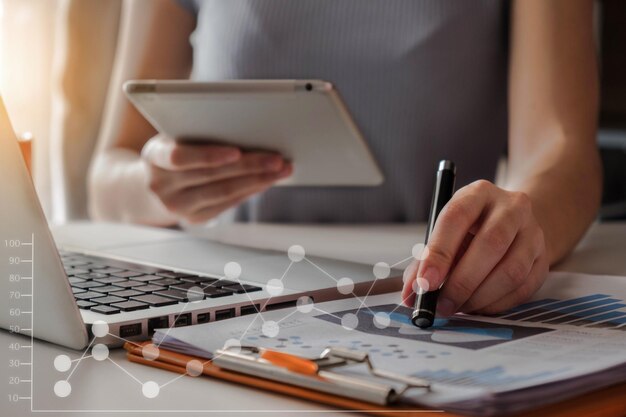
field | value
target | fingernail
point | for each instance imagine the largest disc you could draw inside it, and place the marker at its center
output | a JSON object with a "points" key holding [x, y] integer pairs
{"points": [[285, 172], [421, 285], [432, 276], [445, 307], [273, 163]]}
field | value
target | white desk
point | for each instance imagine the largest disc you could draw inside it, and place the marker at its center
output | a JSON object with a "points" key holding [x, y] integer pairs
{"points": [[103, 386]]}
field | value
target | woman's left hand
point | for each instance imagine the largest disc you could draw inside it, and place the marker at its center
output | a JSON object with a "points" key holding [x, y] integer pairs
{"points": [[489, 249]]}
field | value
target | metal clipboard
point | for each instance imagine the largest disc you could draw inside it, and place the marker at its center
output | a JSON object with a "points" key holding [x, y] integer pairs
{"points": [[317, 374]]}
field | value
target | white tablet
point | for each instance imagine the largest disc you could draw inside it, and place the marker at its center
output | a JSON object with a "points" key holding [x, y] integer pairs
{"points": [[304, 120]]}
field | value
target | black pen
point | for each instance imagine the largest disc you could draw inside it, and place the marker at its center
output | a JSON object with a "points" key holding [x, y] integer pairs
{"points": [[426, 302]]}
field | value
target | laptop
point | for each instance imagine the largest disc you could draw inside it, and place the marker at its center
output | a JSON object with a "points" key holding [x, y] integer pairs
{"points": [[131, 287]]}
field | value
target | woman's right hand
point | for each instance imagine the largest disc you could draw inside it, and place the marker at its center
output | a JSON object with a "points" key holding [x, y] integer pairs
{"points": [[197, 181]]}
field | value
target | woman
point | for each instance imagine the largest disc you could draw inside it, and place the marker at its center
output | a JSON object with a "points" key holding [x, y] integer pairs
{"points": [[425, 80]]}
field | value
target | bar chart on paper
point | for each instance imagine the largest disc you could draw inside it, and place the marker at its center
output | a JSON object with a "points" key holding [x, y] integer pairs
{"points": [[595, 311]]}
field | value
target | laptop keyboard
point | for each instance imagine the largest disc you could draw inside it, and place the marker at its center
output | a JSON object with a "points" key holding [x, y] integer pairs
{"points": [[109, 286]]}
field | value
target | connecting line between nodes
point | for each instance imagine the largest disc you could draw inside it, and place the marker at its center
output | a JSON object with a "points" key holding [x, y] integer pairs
{"points": [[80, 359], [258, 314], [362, 301]]}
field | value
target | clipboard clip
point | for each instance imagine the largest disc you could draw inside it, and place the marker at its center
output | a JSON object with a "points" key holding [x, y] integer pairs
{"points": [[384, 387]]}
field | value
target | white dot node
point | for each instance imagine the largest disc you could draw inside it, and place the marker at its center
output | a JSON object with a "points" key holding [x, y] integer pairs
{"points": [[274, 287], [195, 294], [62, 389], [194, 367], [420, 285], [382, 270], [418, 251], [296, 253], [62, 363], [382, 320], [305, 304], [100, 328], [270, 328], [100, 352], [150, 389], [233, 345], [150, 352], [349, 321], [232, 270], [345, 286]]}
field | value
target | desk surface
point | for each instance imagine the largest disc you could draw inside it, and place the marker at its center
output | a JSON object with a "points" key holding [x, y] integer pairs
{"points": [[104, 386]]}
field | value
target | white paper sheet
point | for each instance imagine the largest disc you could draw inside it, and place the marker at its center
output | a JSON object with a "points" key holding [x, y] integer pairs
{"points": [[570, 338]]}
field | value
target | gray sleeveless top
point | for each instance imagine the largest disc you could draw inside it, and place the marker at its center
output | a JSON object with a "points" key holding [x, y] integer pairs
{"points": [[424, 79]]}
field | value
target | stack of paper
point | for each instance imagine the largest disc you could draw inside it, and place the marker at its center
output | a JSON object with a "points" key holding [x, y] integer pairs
{"points": [[568, 340]]}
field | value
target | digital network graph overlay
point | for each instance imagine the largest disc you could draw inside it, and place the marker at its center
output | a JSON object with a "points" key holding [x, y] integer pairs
{"points": [[21, 261], [67, 367], [232, 271], [596, 310]]}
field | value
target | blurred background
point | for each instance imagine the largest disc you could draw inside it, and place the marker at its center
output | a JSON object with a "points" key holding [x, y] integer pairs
{"points": [[56, 59]]}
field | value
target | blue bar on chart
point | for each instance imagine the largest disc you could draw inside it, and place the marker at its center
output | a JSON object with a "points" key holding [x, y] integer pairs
{"points": [[618, 319], [555, 306], [526, 306], [554, 316]]}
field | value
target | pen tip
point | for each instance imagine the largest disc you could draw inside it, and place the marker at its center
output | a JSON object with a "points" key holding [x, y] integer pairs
{"points": [[422, 322]]}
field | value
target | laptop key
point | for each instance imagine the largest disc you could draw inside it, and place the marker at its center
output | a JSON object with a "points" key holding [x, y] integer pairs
{"points": [[74, 262], [126, 293], [155, 300], [107, 289], [85, 305], [200, 280], [128, 284], [175, 294], [150, 288], [91, 275], [242, 288], [88, 295], [224, 282], [77, 290], [212, 292], [130, 305], [104, 269], [102, 309], [88, 284], [184, 286], [96, 265], [146, 278], [74, 280], [126, 274], [110, 280], [110, 299], [170, 274], [165, 282], [75, 271]]}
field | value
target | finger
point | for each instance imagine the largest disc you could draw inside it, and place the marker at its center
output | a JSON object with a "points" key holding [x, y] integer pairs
{"points": [[193, 199], [408, 278], [172, 155], [208, 213], [248, 164], [510, 273], [486, 250], [454, 222], [535, 278]]}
